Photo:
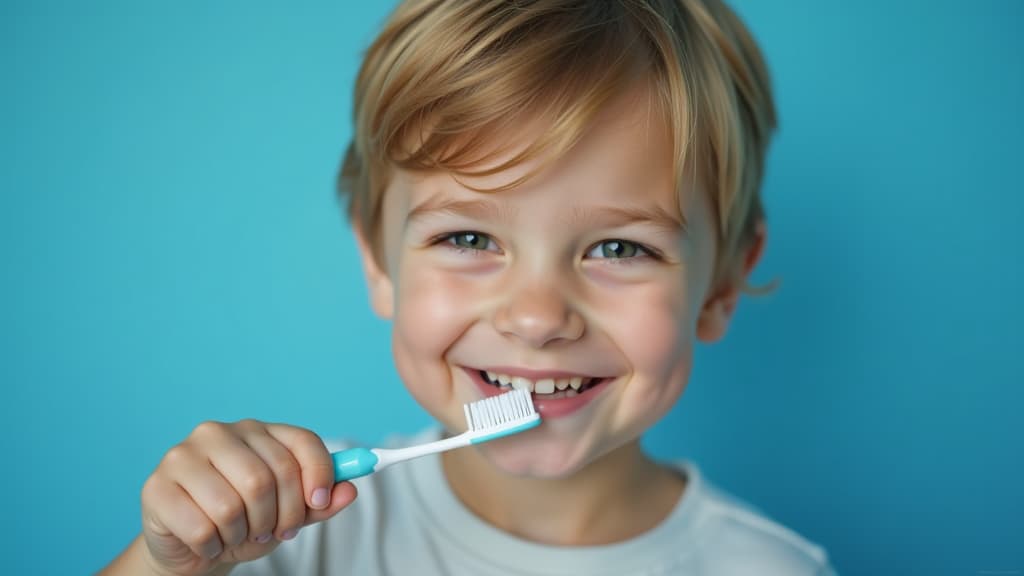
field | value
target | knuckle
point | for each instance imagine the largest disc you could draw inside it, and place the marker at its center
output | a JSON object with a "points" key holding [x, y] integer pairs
{"points": [[208, 428], [287, 469], [313, 452], [322, 466], [249, 425], [256, 483], [308, 439], [226, 510], [150, 489], [303, 439], [176, 455], [200, 535]]}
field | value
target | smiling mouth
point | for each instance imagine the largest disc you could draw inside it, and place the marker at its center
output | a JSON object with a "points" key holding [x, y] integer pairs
{"points": [[547, 388]]}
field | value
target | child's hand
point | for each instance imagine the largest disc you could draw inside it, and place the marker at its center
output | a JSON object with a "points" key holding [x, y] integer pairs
{"points": [[231, 492]]}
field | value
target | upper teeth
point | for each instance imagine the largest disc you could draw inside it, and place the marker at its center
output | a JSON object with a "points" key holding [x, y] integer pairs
{"points": [[542, 386]]}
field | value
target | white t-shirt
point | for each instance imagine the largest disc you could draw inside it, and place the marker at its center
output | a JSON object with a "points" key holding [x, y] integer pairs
{"points": [[407, 521]]}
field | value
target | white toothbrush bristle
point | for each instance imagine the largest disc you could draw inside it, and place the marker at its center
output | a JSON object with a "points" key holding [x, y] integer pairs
{"points": [[498, 410]]}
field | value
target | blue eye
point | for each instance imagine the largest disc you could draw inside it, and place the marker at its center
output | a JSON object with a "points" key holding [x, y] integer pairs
{"points": [[469, 240], [617, 249]]}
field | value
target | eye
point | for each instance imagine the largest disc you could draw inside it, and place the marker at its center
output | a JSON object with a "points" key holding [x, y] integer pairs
{"points": [[617, 249], [469, 240]]}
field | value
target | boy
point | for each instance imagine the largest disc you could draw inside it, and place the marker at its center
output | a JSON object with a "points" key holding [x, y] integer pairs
{"points": [[556, 195]]}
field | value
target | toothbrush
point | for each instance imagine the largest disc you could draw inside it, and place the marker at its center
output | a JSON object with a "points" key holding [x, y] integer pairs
{"points": [[487, 419]]}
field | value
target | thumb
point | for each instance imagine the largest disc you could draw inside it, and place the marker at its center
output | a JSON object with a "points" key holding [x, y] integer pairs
{"points": [[342, 495]]}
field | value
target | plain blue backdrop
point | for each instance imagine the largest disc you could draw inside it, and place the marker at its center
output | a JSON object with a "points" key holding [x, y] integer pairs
{"points": [[171, 252]]}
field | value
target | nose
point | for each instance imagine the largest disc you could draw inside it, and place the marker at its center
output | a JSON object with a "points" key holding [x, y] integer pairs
{"points": [[538, 314]]}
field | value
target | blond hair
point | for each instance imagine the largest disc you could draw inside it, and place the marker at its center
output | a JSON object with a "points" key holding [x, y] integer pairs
{"points": [[444, 76]]}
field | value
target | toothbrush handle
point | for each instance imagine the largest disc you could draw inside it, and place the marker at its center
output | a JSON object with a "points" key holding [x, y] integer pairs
{"points": [[356, 462], [353, 463]]}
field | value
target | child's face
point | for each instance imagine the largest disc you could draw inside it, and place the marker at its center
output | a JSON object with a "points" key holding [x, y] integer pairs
{"points": [[584, 271]]}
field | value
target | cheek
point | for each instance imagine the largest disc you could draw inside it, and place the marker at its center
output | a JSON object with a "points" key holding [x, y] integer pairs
{"points": [[430, 315], [657, 335], [657, 340]]}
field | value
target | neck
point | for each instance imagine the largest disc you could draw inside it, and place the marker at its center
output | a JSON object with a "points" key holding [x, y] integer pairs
{"points": [[621, 495]]}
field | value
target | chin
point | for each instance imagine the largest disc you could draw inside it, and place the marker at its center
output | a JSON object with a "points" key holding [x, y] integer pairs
{"points": [[533, 459]]}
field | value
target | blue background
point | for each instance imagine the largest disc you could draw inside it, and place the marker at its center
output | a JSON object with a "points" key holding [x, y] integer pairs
{"points": [[171, 252]]}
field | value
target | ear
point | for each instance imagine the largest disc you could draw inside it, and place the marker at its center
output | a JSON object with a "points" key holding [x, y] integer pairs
{"points": [[719, 307], [382, 292]]}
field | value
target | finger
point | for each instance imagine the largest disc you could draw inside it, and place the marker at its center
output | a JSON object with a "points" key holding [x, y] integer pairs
{"points": [[177, 516], [314, 460], [250, 475], [215, 497], [341, 496], [290, 504]]}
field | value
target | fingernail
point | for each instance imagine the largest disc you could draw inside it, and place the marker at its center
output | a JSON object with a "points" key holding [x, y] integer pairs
{"points": [[263, 538], [288, 535], [321, 498]]}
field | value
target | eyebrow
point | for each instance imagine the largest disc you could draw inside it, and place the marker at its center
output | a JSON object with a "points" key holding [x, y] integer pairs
{"points": [[604, 216], [474, 209], [610, 216]]}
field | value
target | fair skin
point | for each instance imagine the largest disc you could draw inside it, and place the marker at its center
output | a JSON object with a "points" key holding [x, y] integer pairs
{"points": [[585, 271], [228, 493]]}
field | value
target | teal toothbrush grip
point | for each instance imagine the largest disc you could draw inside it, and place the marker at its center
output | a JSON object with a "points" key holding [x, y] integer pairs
{"points": [[353, 463]]}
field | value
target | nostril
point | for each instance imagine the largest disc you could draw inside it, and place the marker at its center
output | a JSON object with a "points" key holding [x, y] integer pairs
{"points": [[539, 318]]}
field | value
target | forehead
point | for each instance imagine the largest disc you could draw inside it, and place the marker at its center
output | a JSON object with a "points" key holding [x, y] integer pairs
{"points": [[625, 156]]}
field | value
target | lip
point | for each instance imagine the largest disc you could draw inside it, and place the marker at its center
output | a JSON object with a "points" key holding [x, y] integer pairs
{"points": [[556, 408], [533, 374]]}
